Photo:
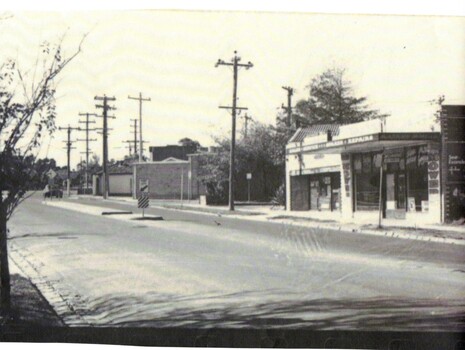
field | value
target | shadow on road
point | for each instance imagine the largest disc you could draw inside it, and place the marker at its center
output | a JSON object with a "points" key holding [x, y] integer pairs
{"points": [[29, 307], [318, 314]]}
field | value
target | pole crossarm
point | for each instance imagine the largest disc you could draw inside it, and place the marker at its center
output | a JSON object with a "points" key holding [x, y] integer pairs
{"points": [[237, 108]]}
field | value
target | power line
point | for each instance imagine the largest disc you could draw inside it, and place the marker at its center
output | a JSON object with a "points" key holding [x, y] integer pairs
{"points": [[105, 117], [236, 65]]}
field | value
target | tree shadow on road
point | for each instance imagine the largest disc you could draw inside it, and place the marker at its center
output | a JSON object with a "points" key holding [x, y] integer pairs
{"points": [[28, 306], [380, 314]]}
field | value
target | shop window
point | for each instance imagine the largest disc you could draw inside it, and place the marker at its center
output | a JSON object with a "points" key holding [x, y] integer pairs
{"points": [[417, 177], [366, 163], [358, 163], [367, 196], [324, 191], [367, 182]]}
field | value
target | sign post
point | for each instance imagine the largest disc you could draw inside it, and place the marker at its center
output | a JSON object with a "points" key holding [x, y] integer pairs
{"points": [[143, 200], [189, 184], [249, 177]]}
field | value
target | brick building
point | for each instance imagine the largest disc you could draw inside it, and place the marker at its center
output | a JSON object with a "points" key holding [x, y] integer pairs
{"points": [[160, 153], [167, 177]]}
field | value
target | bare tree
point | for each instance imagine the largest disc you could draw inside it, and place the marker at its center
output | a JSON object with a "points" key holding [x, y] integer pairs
{"points": [[27, 114]]}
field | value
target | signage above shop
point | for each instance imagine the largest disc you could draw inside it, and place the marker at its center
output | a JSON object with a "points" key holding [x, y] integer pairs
{"points": [[379, 137]]}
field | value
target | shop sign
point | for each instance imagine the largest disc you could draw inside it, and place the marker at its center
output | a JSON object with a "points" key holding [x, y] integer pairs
{"points": [[411, 204], [337, 143], [453, 148], [393, 156]]}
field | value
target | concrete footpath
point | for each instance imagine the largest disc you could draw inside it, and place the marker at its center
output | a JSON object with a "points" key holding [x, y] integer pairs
{"points": [[450, 234]]}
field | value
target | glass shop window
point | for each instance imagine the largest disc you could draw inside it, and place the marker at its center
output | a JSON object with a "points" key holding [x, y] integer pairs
{"points": [[417, 177], [358, 163]]}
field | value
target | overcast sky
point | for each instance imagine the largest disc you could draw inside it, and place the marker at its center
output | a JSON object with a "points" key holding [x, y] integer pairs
{"points": [[399, 62]]}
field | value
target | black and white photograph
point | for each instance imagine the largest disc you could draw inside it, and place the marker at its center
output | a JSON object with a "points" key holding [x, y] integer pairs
{"points": [[232, 178]]}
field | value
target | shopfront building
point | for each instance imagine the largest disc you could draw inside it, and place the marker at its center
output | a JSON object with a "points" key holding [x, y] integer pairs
{"points": [[373, 174]]}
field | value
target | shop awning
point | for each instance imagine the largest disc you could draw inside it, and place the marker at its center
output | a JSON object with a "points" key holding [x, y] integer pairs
{"points": [[367, 143], [322, 170]]}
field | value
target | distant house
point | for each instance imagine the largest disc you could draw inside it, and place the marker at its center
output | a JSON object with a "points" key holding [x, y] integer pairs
{"points": [[119, 177], [160, 153], [61, 175]]}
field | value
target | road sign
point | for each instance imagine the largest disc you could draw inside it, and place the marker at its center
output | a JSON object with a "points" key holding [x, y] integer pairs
{"points": [[51, 174], [143, 201], [144, 186], [249, 176]]}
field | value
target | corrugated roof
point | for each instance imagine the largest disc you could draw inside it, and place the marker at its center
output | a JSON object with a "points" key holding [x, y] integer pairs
{"points": [[120, 169], [314, 130]]}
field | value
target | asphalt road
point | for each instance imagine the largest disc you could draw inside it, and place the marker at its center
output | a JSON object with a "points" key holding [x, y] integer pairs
{"points": [[199, 270]]}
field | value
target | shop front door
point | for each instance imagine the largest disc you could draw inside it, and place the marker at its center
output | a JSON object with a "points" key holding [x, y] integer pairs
{"points": [[395, 196]]}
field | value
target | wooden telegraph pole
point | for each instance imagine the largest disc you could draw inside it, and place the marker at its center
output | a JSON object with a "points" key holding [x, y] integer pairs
{"points": [[140, 99], [105, 116], [246, 120], [87, 140], [288, 109], [236, 65], [68, 148]]}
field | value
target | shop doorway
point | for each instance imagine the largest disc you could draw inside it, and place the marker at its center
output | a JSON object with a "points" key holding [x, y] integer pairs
{"points": [[325, 191], [395, 187]]}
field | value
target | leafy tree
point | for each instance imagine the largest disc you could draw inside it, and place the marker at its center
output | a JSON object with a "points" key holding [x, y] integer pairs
{"points": [[331, 100], [187, 142], [27, 114], [39, 171], [261, 154]]}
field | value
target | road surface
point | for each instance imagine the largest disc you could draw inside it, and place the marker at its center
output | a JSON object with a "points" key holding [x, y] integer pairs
{"points": [[198, 270]]}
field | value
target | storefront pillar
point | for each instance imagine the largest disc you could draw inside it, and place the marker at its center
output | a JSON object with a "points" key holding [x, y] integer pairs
{"points": [[434, 180], [346, 187], [288, 185]]}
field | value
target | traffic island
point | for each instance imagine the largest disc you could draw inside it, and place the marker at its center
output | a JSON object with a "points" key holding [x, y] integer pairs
{"points": [[119, 212], [150, 218]]}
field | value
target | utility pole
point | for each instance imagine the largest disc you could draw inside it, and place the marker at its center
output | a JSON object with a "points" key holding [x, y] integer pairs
{"points": [[135, 135], [87, 140], [288, 109], [68, 148], [140, 99], [236, 65], [135, 142], [246, 119], [129, 147], [105, 116]]}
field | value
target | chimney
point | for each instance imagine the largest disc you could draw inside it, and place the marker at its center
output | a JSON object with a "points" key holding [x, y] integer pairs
{"points": [[329, 135]]}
